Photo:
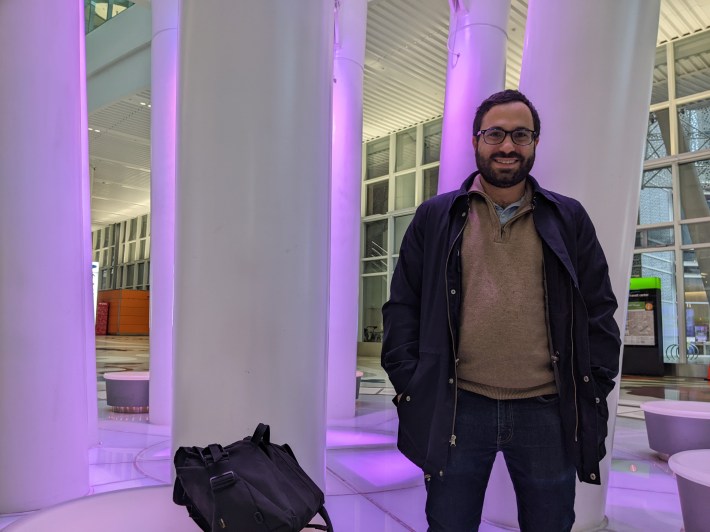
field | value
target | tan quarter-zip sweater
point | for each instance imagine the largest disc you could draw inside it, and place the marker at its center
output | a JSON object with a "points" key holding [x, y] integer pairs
{"points": [[503, 343]]}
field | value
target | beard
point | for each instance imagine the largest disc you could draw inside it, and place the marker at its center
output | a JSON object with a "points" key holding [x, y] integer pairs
{"points": [[504, 178]]}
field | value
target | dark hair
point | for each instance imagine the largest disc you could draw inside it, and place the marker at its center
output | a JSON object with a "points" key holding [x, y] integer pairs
{"points": [[499, 98]]}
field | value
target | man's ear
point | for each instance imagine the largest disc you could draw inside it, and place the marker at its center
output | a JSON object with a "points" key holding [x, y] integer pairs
{"points": [[474, 141]]}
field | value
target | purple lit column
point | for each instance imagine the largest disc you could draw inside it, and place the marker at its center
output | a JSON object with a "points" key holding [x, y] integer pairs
{"points": [[252, 223], [476, 69], [162, 206], [346, 164], [45, 257], [593, 97]]}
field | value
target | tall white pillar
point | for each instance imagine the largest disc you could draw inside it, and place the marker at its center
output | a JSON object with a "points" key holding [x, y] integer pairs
{"points": [[478, 41], [252, 223], [45, 266], [348, 69], [164, 51], [593, 96]]}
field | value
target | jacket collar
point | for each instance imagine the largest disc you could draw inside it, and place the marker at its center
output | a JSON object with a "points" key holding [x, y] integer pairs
{"points": [[462, 193]]}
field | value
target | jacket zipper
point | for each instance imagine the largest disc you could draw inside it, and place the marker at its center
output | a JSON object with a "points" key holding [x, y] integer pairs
{"points": [[452, 439], [554, 355], [574, 381]]}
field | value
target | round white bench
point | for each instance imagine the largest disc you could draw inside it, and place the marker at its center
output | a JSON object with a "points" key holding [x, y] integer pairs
{"points": [[675, 426], [692, 471], [127, 391]]}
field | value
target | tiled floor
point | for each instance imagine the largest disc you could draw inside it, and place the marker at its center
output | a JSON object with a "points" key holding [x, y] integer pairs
{"points": [[370, 487]]}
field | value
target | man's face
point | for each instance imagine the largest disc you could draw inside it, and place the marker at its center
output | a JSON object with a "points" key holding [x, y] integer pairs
{"points": [[507, 164]]}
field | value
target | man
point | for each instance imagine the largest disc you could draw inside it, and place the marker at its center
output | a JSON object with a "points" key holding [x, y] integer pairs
{"points": [[499, 334]]}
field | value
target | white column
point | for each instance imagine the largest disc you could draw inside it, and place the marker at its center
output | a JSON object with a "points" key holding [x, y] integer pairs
{"points": [[45, 267], [348, 68], [593, 96], [252, 223], [164, 50], [478, 41]]}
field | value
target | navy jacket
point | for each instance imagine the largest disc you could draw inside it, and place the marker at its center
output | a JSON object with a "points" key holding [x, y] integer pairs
{"points": [[421, 327]]}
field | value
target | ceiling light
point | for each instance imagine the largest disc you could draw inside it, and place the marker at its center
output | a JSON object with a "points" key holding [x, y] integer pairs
{"points": [[98, 131], [91, 129], [143, 103]]}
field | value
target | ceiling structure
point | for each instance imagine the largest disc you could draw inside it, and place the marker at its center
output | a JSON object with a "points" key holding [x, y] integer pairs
{"points": [[405, 76]]}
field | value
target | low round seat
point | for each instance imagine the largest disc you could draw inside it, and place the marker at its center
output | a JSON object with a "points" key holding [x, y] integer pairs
{"points": [[128, 391], [675, 426], [692, 471]]}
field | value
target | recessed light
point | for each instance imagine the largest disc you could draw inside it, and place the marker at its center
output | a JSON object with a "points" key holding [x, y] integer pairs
{"points": [[148, 105], [143, 103], [98, 131], [91, 129]]}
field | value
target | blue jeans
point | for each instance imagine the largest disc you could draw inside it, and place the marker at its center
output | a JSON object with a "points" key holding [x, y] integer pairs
{"points": [[529, 434]]}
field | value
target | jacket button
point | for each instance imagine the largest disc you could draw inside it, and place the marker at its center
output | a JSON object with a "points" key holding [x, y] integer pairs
{"points": [[408, 398], [451, 381], [453, 291], [597, 400], [593, 476], [441, 473], [463, 214], [586, 379]]}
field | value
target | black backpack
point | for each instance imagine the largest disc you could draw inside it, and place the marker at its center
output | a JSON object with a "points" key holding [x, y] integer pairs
{"points": [[251, 485]]}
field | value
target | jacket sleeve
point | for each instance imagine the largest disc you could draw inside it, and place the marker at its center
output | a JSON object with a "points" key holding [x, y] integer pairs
{"points": [[401, 313], [595, 286]]}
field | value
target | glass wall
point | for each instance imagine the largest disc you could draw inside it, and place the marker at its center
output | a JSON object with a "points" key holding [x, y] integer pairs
{"points": [[123, 253], [673, 233], [96, 12], [401, 171]]}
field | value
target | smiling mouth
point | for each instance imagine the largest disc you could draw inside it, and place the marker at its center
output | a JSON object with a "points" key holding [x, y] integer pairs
{"points": [[506, 160]]}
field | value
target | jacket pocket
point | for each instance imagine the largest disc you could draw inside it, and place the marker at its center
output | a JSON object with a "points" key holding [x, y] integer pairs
{"points": [[602, 410], [416, 407]]}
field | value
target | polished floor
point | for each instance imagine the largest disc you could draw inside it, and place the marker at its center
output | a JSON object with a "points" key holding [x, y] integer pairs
{"points": [[370, 487]]}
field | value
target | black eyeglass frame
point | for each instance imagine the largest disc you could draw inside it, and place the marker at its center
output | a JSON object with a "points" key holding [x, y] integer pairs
{"points": [[533, 135]]}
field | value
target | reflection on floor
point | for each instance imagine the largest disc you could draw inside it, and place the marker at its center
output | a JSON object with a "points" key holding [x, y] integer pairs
{"points": [[370, 487]]}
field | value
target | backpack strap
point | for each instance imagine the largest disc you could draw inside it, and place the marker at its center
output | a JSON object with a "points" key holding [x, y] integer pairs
{"points": [[328, 527], [212, 454], [262, 434]]}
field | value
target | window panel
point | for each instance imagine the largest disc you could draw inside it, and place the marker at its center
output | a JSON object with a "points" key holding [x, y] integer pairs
{"points": [[377, 198], [696, 267], [662, 264], [656, 199], [141, 271], [658, 137], [694, 126], [377, 158], [431, 182], [374, 266], [400, 227], [404, 189], [376, 238], [406, 152], [655, 238], [432, 141], [374, 295], [694, 181], [698, 233]]}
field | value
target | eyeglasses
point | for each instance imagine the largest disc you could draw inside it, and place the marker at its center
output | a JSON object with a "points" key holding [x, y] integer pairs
{"points": [[496, 135]]}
